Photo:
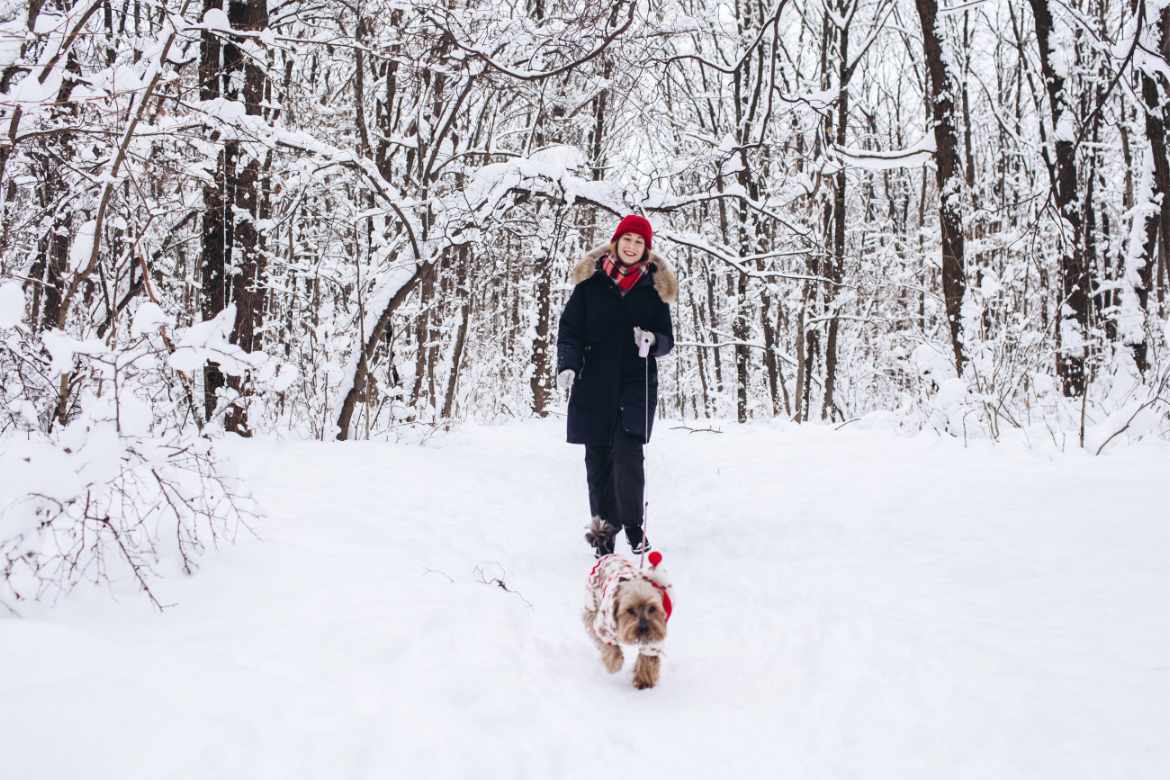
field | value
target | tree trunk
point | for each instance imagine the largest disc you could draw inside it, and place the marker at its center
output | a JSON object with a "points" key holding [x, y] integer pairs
{"points": [[540, 345], [462, 258], [369, 348], [246, 289], [770, 360], [712, 324], [1164, 228], [836, 265], [742, 356], [422, 334], [55, 157], [1074, 304], [217, 205], [947, 175], [1153, 199]]}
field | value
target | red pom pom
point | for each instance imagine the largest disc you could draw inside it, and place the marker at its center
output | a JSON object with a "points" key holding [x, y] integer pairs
{"points": [[655, 558]]}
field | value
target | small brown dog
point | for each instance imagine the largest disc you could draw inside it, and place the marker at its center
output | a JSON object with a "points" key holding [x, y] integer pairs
{"points": [[625, 606]]}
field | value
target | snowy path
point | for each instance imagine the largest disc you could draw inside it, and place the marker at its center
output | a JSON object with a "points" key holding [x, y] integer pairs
{"points": [[846, 607]]}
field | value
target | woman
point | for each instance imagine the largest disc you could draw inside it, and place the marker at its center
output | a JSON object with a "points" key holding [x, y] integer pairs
{"points": [[618, 307]]}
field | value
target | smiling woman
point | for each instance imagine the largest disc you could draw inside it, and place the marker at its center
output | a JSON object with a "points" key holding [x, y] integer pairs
{"points": [[613, 329], [631, 249]]}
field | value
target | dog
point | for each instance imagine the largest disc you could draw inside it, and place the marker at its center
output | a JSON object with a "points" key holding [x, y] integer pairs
{"points": [[626, 606]]}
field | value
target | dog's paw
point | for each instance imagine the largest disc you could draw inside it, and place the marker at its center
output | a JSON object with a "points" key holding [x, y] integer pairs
{"points": [[611, 656], [646, 671]]}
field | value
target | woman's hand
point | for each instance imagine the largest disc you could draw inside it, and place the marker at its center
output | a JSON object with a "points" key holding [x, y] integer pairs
{"points": [[644, 340], [565, 378]]}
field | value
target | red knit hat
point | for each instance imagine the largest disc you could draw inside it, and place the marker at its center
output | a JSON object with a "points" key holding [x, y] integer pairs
{"points": [[634, 224]]}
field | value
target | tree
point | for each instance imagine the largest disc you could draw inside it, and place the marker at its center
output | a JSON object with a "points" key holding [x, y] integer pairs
{"points": [[1073, 312], [948, 173], [231, 69]]}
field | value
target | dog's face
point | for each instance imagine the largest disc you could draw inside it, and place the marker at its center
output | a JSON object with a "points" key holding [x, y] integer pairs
{"points": [[639, 614]]}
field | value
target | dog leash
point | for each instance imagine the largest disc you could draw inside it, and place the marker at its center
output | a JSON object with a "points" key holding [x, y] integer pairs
{"points": [[645, 441]]}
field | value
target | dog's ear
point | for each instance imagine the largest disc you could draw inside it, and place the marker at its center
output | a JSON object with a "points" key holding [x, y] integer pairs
{"points": [[617, 603]]}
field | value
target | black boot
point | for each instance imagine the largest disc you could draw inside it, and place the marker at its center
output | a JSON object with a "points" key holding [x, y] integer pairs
{"points": [[600, 537]]}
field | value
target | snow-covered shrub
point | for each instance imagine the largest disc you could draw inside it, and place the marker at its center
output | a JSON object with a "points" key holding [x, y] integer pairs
{"points": [[1008, 390], [93, 506], [109, 471]]}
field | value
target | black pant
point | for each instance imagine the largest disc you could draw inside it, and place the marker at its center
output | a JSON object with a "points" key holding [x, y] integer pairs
{"points": [[617, 482]]}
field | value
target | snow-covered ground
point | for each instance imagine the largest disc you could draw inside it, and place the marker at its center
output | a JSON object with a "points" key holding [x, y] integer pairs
{"points": [[847, 605]]}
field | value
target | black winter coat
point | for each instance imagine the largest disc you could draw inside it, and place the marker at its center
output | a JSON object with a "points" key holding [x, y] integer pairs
{"points": [[596, 339]]}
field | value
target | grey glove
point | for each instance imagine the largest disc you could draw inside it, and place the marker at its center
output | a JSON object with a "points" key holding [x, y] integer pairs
{"points": [[565, 378], [644, 339]]}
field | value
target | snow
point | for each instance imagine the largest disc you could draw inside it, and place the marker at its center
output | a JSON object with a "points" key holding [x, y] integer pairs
{"points": [[48, 22], [847, 604], [209, 341], [1131, 317], [216, 19], [33, 466], [148, 319], [62, 348], [914, 156], [81, 250], [990, 285], [11, 304], [931, 359], [555, 163], [819, 100], [31, 91], [1150, 64], [962, 6], [203, 341], [1072, 337], [12, 33]]}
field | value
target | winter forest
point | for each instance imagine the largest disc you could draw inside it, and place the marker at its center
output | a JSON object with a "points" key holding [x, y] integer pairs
{"points": [[340, 220], [280, 290]]}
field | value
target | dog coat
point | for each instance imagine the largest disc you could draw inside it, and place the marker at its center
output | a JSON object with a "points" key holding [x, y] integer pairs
{"points": [[601, 591]]}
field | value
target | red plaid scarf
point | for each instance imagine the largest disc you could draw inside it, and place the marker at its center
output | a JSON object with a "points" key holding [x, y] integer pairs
{"points": [[625, 277]]}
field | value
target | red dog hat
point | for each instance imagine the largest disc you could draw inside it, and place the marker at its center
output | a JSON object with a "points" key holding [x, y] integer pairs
{"points": [[655, 559]]}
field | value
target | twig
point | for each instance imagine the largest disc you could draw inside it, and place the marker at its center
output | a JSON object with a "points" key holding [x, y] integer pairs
{"points": [[131, 560], [1156, 397], [689, 429], [445, 574], [499, 583]]}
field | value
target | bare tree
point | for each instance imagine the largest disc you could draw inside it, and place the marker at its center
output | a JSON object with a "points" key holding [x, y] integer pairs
{"points": [[948, 174], [1074, 306]]}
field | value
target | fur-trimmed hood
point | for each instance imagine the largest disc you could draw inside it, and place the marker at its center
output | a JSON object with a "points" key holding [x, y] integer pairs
{"points": [[665, 282]]}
